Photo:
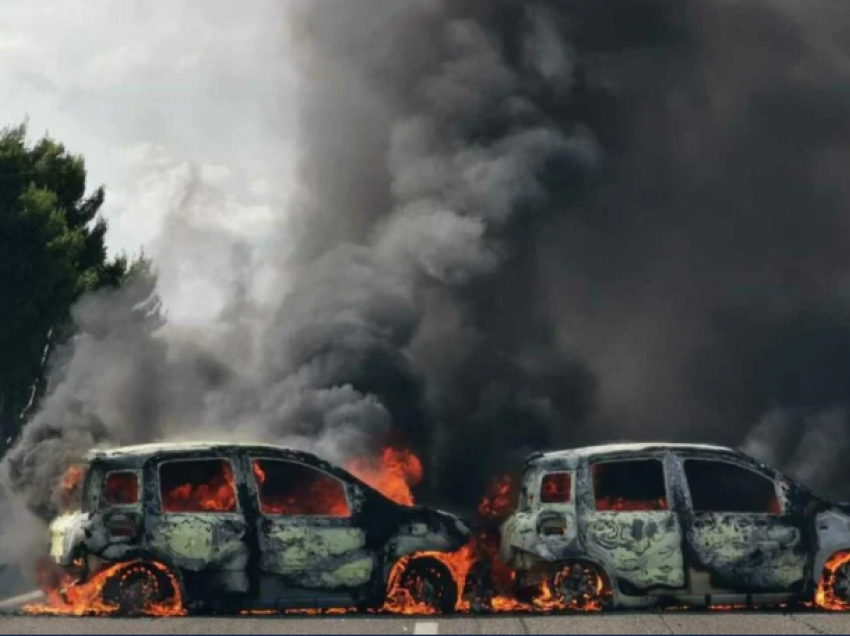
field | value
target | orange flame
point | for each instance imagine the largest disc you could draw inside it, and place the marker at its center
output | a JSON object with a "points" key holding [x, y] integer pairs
{"points": [[393, 474], [498, 502], [629, 505], [219, 495], [69, 487], [70, 598], [825, 595], [319, 495]]}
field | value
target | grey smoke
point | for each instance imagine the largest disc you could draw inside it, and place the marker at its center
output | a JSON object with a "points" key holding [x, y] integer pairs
{"points": [[520, 225]]}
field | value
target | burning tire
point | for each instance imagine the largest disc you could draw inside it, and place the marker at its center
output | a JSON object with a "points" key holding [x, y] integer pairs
{"points": [[429, 582], [833, 592], [138, 589], [581, 586]]}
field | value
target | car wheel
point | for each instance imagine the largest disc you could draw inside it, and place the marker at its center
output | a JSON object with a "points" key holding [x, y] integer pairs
{"points": [[833, 592], [581, 586], [137, 589], [430, 582]]}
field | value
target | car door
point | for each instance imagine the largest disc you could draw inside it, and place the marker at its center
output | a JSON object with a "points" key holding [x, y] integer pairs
{"points": [[197, 520], [738, 528], [306, 531], [628, 524]]}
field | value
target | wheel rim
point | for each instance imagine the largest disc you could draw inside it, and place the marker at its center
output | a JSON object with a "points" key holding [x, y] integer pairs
{"points": [[428, 582], [138, 589], [578, 586], [841, 583], [422, 589]]}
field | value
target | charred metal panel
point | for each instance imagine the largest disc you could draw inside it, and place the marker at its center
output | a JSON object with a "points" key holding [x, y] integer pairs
{"points": [[833, 536], [749, 550], [221, 552], [195, 541], [641, 548], [520, 535], [316, 554], [423, 530], [299, 546], [644, 548]]}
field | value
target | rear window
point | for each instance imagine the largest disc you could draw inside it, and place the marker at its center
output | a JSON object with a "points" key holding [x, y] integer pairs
{"points": [[201, 485], [121, 488], [556, 488]]}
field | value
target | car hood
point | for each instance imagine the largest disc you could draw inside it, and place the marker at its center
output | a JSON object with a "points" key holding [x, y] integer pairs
{"points": [[440, 521]]}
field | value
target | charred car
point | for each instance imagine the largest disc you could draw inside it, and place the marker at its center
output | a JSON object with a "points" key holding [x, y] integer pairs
{"points": [[635, 525], [226, 527]]}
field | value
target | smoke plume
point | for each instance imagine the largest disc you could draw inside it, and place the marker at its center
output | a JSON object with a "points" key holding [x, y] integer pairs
{"points": [[518, 226]]}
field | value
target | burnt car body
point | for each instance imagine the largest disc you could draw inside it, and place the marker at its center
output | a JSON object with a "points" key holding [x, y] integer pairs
{"points": [[669, 524], [244, 526]]}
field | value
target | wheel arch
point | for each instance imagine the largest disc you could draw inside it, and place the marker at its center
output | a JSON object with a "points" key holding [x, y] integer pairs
{"points": [[166, 567], [403, 564], [823, 556]]}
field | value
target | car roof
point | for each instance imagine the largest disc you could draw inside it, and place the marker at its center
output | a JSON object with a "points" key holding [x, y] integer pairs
{"points": [[635, 447], [571, 455], [139, 453]]}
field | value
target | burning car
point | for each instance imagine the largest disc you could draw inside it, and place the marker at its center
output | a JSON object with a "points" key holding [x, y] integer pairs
{"points": [[226, 527], [636, 525]]}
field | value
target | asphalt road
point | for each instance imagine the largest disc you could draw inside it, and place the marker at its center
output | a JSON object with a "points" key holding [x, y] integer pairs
{"points": [[643, 623], [669, 622]]}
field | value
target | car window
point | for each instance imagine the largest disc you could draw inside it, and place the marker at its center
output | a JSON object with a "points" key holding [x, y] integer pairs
{"points": [[198, 485], [723, 487], [556, 488], [290, 488], [121, 488], [632, 485]]}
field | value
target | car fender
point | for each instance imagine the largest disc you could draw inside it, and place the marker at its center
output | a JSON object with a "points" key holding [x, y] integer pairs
{"points": [[427, 530], [67, 537], [520, 532], [833, 531]]}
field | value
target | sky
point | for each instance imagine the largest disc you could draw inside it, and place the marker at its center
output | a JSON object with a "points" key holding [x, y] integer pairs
{"points": [[161, 98]]}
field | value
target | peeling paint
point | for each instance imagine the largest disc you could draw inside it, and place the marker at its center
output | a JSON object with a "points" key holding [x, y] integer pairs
{"points": [[650, 556], [644, 548], [749, 551], [248, 553]]}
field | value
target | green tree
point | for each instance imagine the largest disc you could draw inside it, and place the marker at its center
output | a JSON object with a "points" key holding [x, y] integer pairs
{"points": [[51, 251]]}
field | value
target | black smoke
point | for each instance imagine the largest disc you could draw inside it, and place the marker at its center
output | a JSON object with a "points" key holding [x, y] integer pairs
{"points": [[622, 219], [520, 226]]}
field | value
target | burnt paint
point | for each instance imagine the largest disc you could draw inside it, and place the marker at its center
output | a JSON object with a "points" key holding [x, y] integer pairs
{"points": [[759, 568], [382, 520]]}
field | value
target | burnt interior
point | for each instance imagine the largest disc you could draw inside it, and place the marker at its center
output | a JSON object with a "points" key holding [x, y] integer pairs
{"points": [[723, 487], [298, 484], [286, 482], [556, 488], [288, 488], [121, 488], [631, 485], [199, 485]]}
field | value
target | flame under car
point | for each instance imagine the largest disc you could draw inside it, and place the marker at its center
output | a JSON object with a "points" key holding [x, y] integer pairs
{"points": [[169, 528], [638, 525]]}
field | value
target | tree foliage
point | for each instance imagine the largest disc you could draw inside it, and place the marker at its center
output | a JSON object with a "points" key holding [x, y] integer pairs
{"points": [[52, 249]]}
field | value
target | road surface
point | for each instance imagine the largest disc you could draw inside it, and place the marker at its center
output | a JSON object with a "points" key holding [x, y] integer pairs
{"points": [[643, 623], [669, 622]]}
